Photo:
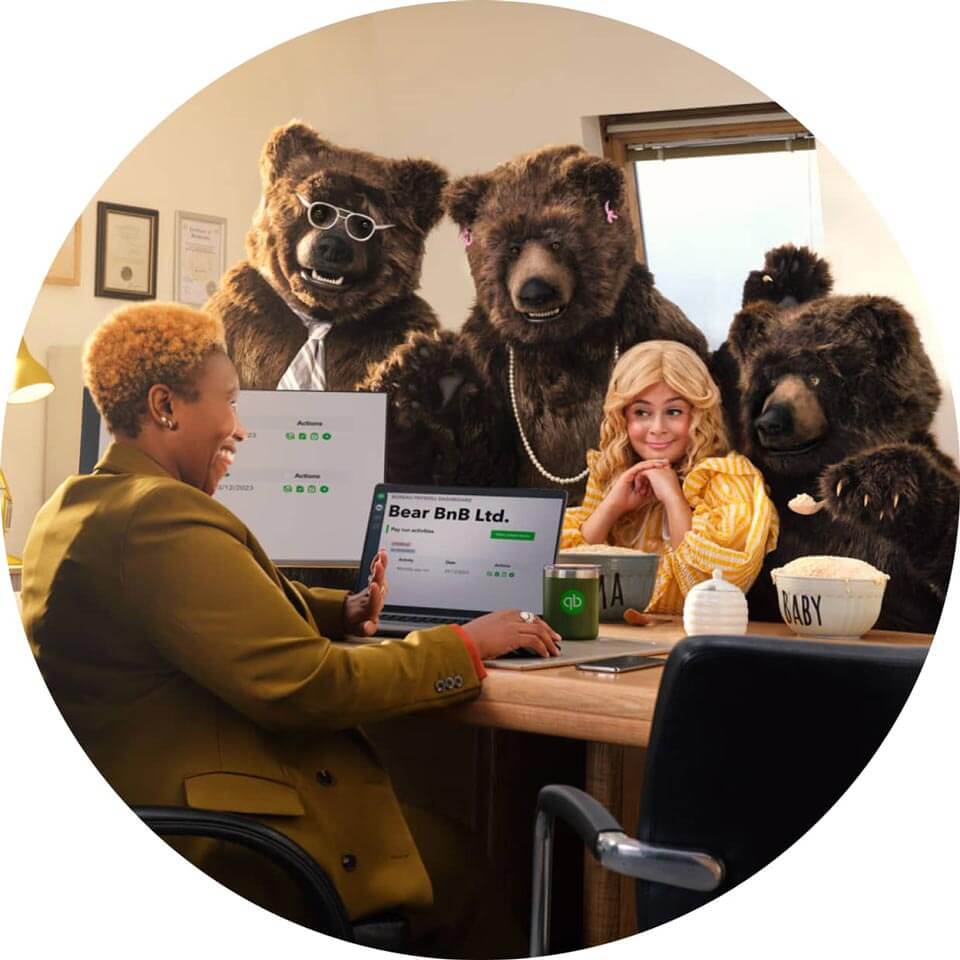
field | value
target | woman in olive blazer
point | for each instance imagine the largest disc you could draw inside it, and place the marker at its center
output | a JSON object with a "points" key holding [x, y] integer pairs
{"points": [[188, 667]]}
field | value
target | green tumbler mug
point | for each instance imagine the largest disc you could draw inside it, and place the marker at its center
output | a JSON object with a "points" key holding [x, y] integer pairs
{"points": [[571, 599]]}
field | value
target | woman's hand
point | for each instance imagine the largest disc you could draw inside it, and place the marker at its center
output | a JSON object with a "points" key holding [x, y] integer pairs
{"points": [[664, 482], [632, 488], [666, 487], [630, 491], [361, 611], [498, 633]]}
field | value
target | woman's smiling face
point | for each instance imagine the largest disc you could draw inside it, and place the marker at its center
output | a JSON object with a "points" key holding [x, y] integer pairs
{"points": [[658, 423], [208, 428]]}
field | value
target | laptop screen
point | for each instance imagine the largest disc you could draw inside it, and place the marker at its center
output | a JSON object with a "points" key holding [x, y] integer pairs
{"points": [[463, 550]]}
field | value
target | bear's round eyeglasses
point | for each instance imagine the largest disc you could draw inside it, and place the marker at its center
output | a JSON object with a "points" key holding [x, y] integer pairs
{"points": [[324, 216]]}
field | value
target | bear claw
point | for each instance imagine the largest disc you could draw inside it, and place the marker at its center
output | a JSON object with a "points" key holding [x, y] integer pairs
{"points": [[839, 487]]}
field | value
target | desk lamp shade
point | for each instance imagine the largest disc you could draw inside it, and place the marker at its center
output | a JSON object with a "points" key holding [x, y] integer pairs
{"points": [[30, 380]]}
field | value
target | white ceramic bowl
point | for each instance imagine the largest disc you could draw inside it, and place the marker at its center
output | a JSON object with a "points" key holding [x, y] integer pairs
{"points": [[836, 608]]}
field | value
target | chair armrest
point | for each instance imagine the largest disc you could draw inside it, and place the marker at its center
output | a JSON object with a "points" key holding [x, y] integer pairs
{"points": [[687, 869], [606, 840], [327, 911], [586, 816]]}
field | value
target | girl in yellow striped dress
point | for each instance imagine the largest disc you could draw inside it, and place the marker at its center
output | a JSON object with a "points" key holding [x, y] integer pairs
{"points": [[665, 481]]}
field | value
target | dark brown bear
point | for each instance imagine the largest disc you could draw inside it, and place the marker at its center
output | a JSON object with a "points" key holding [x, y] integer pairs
{"points": [[836, 400], [363, 287], [551, 250], [789, 276]]}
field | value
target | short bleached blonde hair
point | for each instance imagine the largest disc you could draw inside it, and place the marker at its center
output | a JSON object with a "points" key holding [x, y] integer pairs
{"points": [[643, 366], [141, 345]]}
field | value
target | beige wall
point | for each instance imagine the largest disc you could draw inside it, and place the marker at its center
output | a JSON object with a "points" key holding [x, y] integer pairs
{"points": [[402, 82]]}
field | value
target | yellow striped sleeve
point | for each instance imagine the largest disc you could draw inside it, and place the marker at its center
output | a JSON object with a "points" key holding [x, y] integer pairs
{"points": [[734, 524], [575, 517]]}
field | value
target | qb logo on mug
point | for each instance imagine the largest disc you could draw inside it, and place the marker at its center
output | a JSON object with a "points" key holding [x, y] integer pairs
{"points": [[571, 599], [571, 602]]}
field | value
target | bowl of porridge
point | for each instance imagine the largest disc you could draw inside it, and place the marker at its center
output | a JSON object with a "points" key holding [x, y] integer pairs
{"points": [[627, 577], [833, 597]]}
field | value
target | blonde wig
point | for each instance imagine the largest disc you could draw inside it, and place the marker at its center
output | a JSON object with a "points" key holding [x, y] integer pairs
{"points": [[141, 345], [643, 366]]}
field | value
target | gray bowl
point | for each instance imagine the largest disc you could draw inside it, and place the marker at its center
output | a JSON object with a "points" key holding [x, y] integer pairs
{"points": [[625, 580]]}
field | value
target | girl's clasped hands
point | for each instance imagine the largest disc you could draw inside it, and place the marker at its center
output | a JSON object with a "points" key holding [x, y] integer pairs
{"points": [[643, 482]]}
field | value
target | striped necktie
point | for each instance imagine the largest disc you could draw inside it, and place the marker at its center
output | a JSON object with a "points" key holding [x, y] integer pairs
{"points": [[306, 370]]}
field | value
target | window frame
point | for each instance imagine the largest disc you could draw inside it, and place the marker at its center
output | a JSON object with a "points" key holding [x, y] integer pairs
{"points": [[730, 128]]}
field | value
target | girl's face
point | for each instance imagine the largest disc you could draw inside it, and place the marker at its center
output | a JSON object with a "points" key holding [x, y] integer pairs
{"points": [[658, 423]]}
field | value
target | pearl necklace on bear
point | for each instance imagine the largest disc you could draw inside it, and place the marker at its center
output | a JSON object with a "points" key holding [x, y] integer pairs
{"points": [[511, 380]]}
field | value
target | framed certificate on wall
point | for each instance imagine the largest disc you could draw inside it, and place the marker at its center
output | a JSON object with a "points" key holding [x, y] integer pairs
{"points": [[199, 256], [126, 252]]}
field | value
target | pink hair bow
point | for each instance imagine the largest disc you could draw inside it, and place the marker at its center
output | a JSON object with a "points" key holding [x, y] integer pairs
{"points": [[610, 212]]}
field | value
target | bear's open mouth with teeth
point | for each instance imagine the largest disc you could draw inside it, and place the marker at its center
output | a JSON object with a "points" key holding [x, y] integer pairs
{"points": [[330, 261], [542, 316], [322, 280]]}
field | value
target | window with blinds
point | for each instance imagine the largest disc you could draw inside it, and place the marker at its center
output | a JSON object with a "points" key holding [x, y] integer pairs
{"points": [[710, 191]]}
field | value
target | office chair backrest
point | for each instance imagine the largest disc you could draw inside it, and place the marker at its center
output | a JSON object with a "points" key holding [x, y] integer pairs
{"points": [[753, 740]]}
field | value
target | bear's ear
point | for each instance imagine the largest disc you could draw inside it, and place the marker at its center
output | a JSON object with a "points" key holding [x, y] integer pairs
{"points": [[463, 197], [751, 329], [880, 321], [417, 185], [286, 143], [595, 177]]}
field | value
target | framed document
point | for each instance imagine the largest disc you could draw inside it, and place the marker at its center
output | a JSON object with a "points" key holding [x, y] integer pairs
{"points": [[65, 269], [200, 256], [126, 252]]}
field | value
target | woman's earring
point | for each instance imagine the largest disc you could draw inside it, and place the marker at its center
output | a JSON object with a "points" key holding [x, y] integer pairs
{"points": [[167, 422]]}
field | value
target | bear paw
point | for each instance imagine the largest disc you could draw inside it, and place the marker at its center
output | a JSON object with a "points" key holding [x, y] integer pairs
{"points": [[790, 275], [419, 376], [884, 489]]}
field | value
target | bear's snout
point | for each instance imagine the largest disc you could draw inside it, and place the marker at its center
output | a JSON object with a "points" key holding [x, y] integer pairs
{"points": [[776, 422], [791, 418], [333, 250], [537, 293], [330, 260], [540, 285]]}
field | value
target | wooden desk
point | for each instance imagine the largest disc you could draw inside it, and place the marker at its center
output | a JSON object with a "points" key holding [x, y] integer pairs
{"points": [[613, 713], [600, 708]]}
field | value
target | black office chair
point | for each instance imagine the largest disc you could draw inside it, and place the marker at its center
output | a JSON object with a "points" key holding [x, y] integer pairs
{"points": [[325, 909], [753, 740]]}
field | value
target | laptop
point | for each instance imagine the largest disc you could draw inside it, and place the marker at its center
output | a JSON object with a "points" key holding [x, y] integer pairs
{"points": [[456, 553]]}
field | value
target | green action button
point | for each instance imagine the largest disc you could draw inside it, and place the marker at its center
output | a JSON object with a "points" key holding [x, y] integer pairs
{"points": [[512, 535]]}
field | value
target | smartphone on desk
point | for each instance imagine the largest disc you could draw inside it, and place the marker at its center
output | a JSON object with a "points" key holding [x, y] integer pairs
{"points": [[624, 664]]}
